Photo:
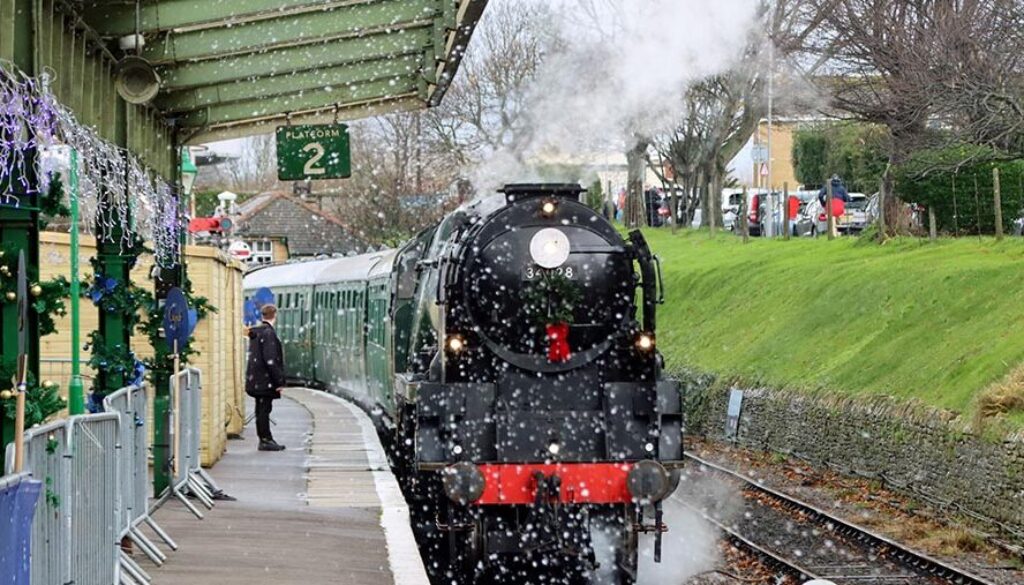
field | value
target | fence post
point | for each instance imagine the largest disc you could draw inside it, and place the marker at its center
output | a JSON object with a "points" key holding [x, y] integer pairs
{"points": [[933, 231], [997, 200], [744, 209], [785, 210], [828, 211]]}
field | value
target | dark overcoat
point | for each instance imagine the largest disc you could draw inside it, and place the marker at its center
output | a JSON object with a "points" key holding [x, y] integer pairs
{"points": [[264, 373]]}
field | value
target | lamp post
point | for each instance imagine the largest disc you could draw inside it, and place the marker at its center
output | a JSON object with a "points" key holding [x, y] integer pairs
{"points": [[188, 179], [76, 389]]}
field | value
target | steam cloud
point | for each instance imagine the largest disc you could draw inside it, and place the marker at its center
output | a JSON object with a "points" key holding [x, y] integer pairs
{"points": [[625, 67]]}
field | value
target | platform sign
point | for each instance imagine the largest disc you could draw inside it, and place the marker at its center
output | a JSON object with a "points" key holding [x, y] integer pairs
{"points": [[313, 152]]}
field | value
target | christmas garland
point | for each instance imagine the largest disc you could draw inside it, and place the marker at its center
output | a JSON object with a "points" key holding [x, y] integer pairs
{"points": [[47, 297], [41, 400], [51, 202]]}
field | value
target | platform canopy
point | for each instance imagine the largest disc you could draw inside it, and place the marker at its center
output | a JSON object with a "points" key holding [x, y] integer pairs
{"points": [[237, 67]]}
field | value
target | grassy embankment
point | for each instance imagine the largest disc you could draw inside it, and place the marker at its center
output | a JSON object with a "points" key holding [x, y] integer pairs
{"points": [[941, 323]]}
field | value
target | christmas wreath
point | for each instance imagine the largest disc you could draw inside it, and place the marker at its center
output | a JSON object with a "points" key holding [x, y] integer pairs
{"points": [[550, 301]]}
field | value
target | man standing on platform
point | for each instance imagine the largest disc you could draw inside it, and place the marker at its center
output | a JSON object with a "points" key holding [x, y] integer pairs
{"points": [[265, 374]]}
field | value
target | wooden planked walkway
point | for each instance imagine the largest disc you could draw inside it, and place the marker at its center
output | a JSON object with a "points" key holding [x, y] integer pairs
{"points": [[327, 510]]}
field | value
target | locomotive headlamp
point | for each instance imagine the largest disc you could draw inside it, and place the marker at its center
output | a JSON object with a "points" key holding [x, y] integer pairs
{"points": [[456, 343], [463, 483], [648, 481], [549, 248], [645, 341], [548, 207]]}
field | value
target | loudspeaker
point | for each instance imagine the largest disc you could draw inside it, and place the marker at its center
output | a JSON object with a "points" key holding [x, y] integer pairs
{"points": [[136, 81]]}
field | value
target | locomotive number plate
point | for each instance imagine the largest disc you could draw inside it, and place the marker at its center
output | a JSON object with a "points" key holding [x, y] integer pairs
{"points": [[533, 272]]}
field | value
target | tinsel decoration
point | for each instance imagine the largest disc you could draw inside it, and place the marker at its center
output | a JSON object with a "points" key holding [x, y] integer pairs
{"points": [[117, 196]]}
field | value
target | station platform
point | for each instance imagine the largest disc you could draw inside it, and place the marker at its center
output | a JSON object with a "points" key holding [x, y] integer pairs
{"points": [[326, 510]]}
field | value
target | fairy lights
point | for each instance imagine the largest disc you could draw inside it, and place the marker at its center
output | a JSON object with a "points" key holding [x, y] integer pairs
{"points": [[118, 197]]}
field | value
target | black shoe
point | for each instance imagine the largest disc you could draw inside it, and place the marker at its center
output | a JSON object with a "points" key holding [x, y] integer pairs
{"points": [[221, 496], [270, 446]]}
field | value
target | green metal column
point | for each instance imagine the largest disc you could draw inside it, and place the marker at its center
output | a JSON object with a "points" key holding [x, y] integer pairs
{"points": [[113, 261], [19, 230]]}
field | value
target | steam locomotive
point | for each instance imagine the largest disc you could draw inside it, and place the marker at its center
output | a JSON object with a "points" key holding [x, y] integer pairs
{"points": [[509, 357]]}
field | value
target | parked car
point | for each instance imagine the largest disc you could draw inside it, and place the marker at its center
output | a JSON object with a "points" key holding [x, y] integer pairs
{"points": [[729, 222], [856, 217], [805, 224]]}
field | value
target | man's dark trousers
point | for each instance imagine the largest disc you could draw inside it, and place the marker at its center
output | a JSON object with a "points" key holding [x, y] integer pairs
{"points": [[264, 405]]}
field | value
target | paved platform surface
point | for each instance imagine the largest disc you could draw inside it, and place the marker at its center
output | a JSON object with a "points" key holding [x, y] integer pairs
{"points": [[326, 510]]}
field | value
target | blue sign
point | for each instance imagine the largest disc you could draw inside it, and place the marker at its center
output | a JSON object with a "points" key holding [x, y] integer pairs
{"points": [[177, 327], [263, 296], [17, 507], [251, 313]]}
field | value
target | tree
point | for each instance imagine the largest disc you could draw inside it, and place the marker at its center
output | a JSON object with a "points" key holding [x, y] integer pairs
{"points": [[858, 153], [484, 110], [913, 64]]}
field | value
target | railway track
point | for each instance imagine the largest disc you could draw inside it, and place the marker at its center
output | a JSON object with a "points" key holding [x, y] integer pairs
{"points": [[806, 542]]}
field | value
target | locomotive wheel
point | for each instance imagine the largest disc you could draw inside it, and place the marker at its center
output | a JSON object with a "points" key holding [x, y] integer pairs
{"points": [[615, 546]]}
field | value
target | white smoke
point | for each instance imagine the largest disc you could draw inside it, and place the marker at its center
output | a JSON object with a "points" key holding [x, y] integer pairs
{"points": [[622, 71]]}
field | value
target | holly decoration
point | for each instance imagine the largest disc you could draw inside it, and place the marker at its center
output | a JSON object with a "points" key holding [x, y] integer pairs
{"points": [[551, 302], [113, 296]]}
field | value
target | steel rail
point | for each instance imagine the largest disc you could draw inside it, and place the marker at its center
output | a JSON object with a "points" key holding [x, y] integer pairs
{"points": [[885, 546], [765, 556]]}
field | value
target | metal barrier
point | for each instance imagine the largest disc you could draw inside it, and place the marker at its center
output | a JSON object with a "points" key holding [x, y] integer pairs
{"points": [[73, 538], [19, 495], [95, 473], [131, 404], [189, 477]]}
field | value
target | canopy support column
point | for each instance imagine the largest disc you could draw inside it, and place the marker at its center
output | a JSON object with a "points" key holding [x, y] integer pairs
{"points": [[19, 230]]}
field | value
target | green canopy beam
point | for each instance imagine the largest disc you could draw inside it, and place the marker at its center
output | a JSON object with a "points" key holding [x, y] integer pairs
{"points": [[281, 106], [405, 103], [303, 58], [352, 22], [117, 18], [279, 85]]}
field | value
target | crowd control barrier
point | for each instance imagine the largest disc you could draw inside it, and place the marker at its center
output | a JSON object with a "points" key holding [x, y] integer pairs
{"points": [[19, 495], [132, 404], [189, 475], [93, 472]]}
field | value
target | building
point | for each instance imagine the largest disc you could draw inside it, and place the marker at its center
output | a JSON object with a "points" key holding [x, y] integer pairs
{"points": [[278, 226]]}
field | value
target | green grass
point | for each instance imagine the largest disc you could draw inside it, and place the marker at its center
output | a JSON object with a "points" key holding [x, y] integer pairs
{"points": [[936, 322]]}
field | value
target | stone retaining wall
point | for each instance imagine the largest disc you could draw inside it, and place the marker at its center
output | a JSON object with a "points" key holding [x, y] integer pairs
{"points": [[908, 447]]}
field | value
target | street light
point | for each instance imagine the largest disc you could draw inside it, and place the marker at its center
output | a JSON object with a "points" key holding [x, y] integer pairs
{"points": [[188, 178]]}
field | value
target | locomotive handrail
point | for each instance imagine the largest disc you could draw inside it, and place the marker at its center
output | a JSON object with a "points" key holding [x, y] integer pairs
{"points": [[661, 281]]}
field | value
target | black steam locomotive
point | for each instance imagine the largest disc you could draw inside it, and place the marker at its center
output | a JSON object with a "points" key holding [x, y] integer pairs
{"points": [[510, 356]]}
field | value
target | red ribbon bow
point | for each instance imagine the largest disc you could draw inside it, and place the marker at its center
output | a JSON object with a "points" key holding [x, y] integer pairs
{"points": [[558, 342]]}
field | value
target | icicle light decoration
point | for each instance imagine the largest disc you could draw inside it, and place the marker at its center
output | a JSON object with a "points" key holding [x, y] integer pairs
{"points": [[117, 196]]}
